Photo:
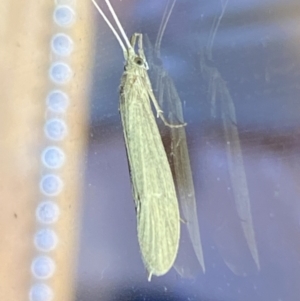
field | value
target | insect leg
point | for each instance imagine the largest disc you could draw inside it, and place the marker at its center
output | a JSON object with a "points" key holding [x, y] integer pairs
{"points": [[160, 112]]}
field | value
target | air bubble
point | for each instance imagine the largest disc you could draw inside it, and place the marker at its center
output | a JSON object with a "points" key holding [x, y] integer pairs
{"points": [[64, 15], [40, 292], [53, 157], [55, 129], [62, 44], [43, 267], [57, 101], [47, 212], [45, 240], [60, 73], [51, 185]]}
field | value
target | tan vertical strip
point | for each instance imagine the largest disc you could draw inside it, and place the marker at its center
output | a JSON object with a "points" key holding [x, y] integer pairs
{"points": [[25, 58], [24, 53]]}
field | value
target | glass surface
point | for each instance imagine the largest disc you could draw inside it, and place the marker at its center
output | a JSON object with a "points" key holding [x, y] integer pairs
{"points": [[255, 50], [68, 223]]}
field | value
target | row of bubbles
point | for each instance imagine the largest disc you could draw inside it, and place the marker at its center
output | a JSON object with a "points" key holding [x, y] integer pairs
{"points": [[53, 156]]}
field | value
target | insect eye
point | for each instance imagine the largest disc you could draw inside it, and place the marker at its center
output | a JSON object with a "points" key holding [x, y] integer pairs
{"points": [[139, 61]]}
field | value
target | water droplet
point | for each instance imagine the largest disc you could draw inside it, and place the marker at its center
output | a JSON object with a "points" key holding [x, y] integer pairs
{"points": [[55, 129], [40, 292], [64, 15], [60, 73], [43, 267], [47, 212], [62, 44], [45, 240], [53, 157], [51, 185], [57, 101]]}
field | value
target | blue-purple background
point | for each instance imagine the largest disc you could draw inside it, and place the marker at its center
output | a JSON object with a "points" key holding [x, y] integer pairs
{"points": [[257, 51]]}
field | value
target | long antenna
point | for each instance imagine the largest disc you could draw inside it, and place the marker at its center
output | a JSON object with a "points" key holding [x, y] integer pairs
{"points": [[118, 24], [110, 26], [163, 25]]}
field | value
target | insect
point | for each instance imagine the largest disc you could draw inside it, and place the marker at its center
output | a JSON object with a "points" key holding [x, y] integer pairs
{"points": [[169, 99], [158, 221]]}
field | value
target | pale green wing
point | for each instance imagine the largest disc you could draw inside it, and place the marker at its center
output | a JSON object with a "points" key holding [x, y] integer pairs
{"points": [[158, 221]]}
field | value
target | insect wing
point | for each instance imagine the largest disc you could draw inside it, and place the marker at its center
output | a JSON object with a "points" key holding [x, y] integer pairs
{"points": [[158, 222]]}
